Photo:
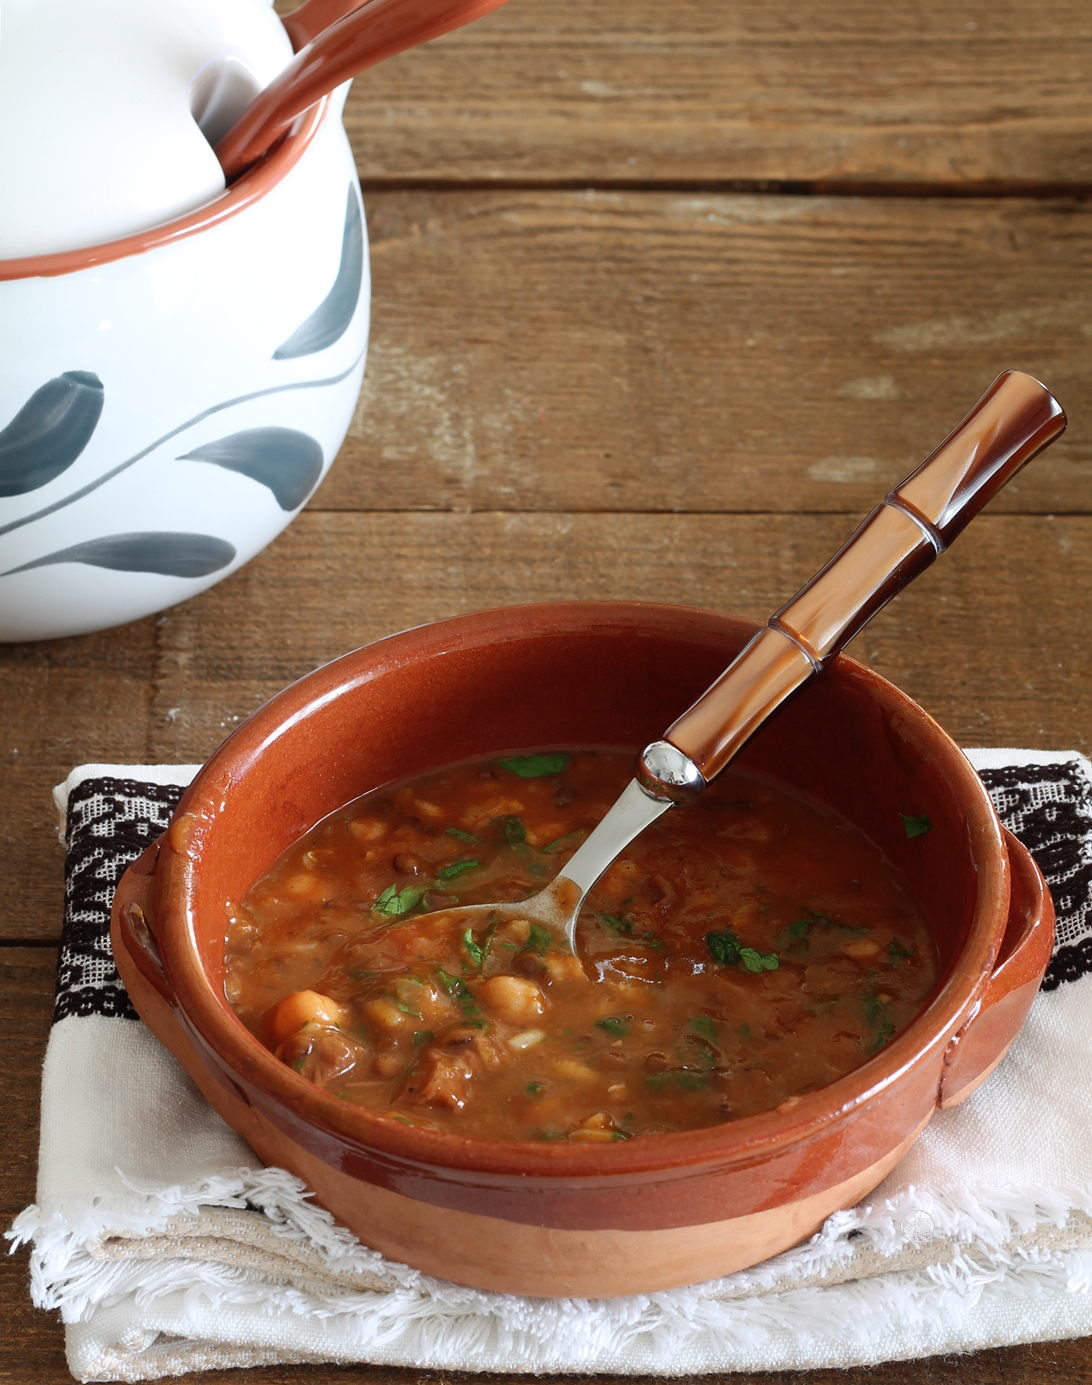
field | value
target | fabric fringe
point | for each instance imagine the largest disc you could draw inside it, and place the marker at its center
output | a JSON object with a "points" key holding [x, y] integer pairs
{"points": [[974, 1230]]}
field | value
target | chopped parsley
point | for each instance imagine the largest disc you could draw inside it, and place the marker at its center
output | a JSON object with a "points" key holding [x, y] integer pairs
{"points": [[460, 835], [552, 846], [514, 831], [613, 1024], [539, 939], [458, 868], [703, 1025], [794, 938], [478, 952], [897, 950], [727, 950], [915, 827], [455, 986], [394, 902], [535, 766], [423, 1036], [619, 923], [533, 1088], [880, 1018]]}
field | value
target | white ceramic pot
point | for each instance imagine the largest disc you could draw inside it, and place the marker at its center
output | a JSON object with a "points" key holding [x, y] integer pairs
{"points": [[169, 401]]}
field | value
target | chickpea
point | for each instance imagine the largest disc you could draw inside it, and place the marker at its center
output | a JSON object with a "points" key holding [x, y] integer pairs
{"points": [[427, 809], [385, 1014], [305, 1007], [569, 1067], [563, 966], [517, 931], [368, 829], [861, 948], [595, 1129], [304, 886], [513, 998]]}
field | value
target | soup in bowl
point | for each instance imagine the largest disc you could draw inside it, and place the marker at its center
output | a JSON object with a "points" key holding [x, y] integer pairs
{"points": [[728, 1156]]}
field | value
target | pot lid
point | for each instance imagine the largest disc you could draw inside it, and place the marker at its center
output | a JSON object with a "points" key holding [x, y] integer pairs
{"points": [[108, 107]]}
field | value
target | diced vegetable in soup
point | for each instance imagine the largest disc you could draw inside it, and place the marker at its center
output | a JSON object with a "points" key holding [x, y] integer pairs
{"points": [[741, 952]]}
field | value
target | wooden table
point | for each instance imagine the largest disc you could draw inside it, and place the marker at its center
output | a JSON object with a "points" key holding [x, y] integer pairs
{"points": [[666, 296]]}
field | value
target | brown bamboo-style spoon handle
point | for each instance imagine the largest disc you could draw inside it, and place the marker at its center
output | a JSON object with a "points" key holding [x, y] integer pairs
{"points": [[1013, 420], [362, 36]]}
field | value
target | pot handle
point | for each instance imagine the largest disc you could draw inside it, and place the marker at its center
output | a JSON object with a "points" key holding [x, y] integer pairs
{"points": [[133, 921], [1022, 959]]}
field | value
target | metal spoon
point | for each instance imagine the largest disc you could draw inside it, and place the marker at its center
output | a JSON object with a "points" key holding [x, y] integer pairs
{"points": [[1016, 418], [359, 37]]}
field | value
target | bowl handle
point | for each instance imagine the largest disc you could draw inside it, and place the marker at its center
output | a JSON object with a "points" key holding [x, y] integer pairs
{"points": [[1021, 961], [132, 926]]}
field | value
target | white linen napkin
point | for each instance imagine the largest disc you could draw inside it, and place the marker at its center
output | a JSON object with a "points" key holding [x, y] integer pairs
{"points": [[167, 1247]]}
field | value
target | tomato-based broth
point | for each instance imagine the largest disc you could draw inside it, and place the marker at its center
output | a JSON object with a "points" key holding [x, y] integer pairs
{"points": [[741, 952]]}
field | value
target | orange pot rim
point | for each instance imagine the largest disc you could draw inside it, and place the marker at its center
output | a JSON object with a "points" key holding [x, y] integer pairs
{"points": [[254, 185]]}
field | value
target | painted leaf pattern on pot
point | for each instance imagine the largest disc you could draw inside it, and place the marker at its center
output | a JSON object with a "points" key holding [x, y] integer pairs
{"points": [[50, 431], [287, 461], [166, 554], [331, 318]]}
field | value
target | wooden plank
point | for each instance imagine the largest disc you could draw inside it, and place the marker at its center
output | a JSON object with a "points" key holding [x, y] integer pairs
{"points": [[33, 1341], [911, 92], [624, 351], [62, 703], [992, 641]]}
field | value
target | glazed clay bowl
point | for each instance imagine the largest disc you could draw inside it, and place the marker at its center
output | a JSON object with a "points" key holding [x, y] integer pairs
{"points": [[578, 1219], [168, 401]]}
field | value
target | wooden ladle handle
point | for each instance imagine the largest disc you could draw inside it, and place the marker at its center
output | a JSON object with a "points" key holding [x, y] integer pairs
{"points": [[360, 37], [1016, 418]]}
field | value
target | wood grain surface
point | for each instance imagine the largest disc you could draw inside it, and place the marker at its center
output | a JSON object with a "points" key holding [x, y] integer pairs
{"points": [[650, 351], [908, 92], [635, 336]]}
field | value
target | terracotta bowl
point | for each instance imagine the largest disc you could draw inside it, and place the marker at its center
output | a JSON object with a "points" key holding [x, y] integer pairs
{"points": [[561, 1219]]}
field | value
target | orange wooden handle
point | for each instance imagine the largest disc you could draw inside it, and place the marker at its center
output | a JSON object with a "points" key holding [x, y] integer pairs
{"points": [[1016, 418], [1014, 983], [368, 33], [305, 24]]}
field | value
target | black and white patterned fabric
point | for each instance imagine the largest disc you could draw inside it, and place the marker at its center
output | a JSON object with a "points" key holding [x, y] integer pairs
{"points": [[111, 821], [1049, 807]]}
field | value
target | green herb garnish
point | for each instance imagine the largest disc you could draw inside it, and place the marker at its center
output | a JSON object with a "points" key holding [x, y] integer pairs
{"points": [[539, 939], [423, 1036], [619, 923], [724, 947], [757, 961], [551, 846], [457, 868], [478, 952], [406, 1010], [915, 827], [394, 902], [533, 1088], [514, 831], [460, 835], [897, 950], [613, 1024], [880, 1018], [703, 1025], [535, 766]]}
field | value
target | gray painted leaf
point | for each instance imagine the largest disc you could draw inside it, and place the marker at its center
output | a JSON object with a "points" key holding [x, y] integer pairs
{"points": [[287, 461], [169, 555], [331, 318], [49, 432]]}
